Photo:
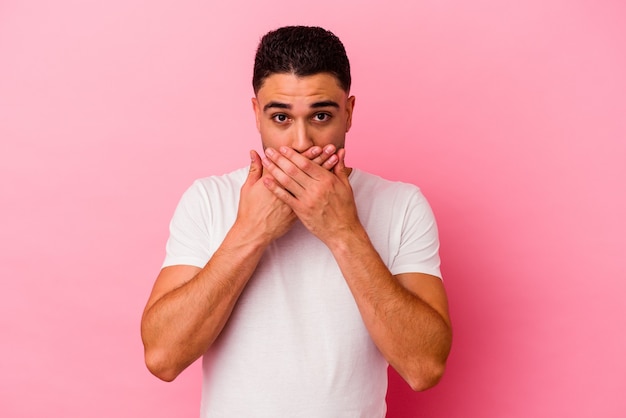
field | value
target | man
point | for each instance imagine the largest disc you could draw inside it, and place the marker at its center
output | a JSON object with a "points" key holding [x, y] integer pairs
{"points": [[299, 279]]}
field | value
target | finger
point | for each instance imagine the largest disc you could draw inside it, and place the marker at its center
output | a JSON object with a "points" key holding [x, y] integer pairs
{"points": [[312, 153], [321, 156], [256, 168], [298, 167], [284, 171], [284, 195], [326, 154], [340, 168], [331, 162]]}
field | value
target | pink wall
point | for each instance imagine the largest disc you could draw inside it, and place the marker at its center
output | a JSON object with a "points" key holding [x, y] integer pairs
{"points": [[511, 116]]}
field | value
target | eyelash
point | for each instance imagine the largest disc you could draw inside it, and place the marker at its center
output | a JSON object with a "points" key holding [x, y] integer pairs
{"points": [[326, 116], [275, 117]]}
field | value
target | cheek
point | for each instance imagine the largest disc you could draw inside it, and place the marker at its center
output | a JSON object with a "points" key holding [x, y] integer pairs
{"points": [[270, 136], [338, 132]]}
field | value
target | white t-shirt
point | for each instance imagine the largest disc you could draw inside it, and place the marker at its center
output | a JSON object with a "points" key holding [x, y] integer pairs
{"points": [[295, 344]]}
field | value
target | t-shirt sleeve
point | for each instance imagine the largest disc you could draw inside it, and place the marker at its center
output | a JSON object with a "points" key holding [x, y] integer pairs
{"points": [[419, 242], [188, 243]]}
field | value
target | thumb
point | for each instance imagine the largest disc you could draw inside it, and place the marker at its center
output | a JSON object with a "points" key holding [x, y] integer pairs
{"points": [[340, 168], [256, 168]]}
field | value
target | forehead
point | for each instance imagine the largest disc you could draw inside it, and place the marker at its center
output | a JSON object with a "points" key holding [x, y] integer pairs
{"points": [[287, 87]]}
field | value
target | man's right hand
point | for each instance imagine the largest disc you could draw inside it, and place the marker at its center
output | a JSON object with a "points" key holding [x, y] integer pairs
{"points": [[261, 215], [189, 306]]}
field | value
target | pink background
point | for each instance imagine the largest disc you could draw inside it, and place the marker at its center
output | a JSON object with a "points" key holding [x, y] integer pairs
{"points": [[510, 115]]}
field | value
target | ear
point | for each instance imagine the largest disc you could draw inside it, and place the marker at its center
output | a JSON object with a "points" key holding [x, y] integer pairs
{"points": [[257, 112], [349, 109]]}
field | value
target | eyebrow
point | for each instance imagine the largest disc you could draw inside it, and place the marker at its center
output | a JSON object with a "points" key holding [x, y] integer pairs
{"points": [[316, 105], [325, 103]]}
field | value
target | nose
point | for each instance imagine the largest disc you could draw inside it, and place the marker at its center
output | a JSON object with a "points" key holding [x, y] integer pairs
{"points": [[301, 140]]}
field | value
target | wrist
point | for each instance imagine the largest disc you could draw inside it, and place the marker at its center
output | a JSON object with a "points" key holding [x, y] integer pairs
{"points": [[348, 240], [246, 239]]}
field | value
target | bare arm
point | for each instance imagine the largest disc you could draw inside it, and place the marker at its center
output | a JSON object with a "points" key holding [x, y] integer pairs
{"points": [[406, 315], [180, 324], [189, 306]]}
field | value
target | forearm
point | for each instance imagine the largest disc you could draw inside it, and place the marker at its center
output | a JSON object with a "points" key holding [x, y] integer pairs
{"points": [[413, 336], [186, 312], [183, 323]]}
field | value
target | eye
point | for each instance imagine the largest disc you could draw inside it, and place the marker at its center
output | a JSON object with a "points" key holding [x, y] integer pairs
{"points": [[321, 117], [280, 118]]}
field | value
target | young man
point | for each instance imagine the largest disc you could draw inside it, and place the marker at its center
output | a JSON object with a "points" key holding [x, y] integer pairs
{"points": [[299, 279]]}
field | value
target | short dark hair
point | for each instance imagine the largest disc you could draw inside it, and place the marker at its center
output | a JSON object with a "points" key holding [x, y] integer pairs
{"points": [[302, 51]]}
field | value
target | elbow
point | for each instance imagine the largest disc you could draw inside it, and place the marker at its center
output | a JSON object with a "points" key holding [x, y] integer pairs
{"points": [[427, 377], [159, 360], [431, 368], [159, 366]]}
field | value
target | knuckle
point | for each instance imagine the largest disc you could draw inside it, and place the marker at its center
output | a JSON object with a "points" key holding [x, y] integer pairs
{"points": [[306, 164], [291, 170]]}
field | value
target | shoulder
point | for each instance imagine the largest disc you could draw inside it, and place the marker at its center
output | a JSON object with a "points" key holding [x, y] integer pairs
{"points": [[374, 186], [223, 182], [221, 186], [212, 194], [378, 198]]}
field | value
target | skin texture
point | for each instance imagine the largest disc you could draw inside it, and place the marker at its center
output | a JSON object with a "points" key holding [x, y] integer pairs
{"points": [[189, 306], [406, 315], [299, 112]]}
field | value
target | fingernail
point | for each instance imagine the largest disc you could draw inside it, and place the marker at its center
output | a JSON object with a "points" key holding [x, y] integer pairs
{"points": [[269, 152]]}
